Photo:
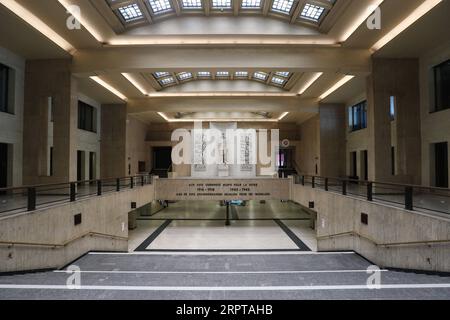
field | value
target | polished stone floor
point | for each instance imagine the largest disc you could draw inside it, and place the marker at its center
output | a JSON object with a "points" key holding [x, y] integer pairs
{"points": [[224, 276], [200, 225]]}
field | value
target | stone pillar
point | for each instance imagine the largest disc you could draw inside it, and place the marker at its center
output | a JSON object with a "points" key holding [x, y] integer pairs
{"points": [[44, 80], [399, 78], [332, 140], [113, 141]]}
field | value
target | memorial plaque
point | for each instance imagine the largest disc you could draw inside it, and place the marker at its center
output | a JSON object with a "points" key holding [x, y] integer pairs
{"points": [[222, 189]]}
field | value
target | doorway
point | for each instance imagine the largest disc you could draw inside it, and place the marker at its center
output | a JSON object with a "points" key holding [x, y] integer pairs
{"points": [[92, 165], [441, 164], [80, 165], [3, 165], [162, 161], [353, 165], [365, 165]]}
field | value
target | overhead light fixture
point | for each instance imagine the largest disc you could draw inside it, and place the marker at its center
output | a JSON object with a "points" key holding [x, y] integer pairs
{"points": [[405, 24], [166, 118], [360, 20], [109, 87], [77, 14], [220, 94], [339, 84], [131, 79], [37, 24], [313, 79]]}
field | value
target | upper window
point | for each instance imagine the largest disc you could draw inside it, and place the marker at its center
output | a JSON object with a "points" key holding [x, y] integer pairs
{"points": [[160, 6], [131, 12], [312, 12], [392, 107], [442, 86], [283, 6], [221, 4], [87, 117], [4, 88], [192, 4], [251, 4], [358, 116]]}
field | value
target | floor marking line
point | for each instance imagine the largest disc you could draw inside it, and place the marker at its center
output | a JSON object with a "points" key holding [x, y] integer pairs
{"points": [[144, 245], [220, 272], [298, 242], [260, 288], [205, 253]]}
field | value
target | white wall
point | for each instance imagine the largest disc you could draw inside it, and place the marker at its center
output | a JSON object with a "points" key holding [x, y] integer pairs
{"points": [[11, 125], [435, 126]]}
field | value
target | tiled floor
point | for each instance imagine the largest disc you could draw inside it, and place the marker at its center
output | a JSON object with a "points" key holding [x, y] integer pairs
{"points": [[200, 225]]}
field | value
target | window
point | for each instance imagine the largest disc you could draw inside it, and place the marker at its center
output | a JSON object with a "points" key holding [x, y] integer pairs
{"points": [[160, 6], [221, 4], [260, 76], [392, 107], [442, 86], [130, 12], [192, 4], [251, 4], [282, 6], [87, 117], [241, 74], [312, 12], [167, 81], [4, 88], [161, 74], [204, 74], [278, 81], [358, 116], [183, 76], [284, 74], [222, 74]]}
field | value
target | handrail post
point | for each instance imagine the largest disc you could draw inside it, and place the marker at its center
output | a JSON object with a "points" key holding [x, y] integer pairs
{"points": [[73, 192], [369, 191], [303, 180], [117, 184], [344, 187], [326, 184], [31, 192], [99, 187], [142, 181], [131, 182], [313, 182], [409, 198]]}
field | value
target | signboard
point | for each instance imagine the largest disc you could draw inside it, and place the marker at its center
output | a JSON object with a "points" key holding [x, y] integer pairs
{"points": [[222, 189]]}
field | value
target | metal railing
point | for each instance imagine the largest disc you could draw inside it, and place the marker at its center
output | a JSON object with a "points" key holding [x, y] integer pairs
{"points": [[29, 198], [411, 197]]}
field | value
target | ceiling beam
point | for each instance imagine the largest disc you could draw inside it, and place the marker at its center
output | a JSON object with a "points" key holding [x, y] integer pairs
{"points": [[294, 59]]}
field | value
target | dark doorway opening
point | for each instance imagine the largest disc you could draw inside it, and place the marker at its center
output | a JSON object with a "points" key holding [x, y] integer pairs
{"points": [[441, 164], [366, 165], [162, 161], [3, 165], [353, 165], [285, 162], [92, 165], [79, 165]]}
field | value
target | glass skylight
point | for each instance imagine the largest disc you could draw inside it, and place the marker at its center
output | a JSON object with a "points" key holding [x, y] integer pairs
{"points": [[204, 74], [278, 80], [161, 74], [283, 6], [284, 74], [192, 4], [260, 76], [182, 76], [159, 6], [167, 81], [222, 74], [312, 12], [251, 4], [130, 12], [241, 74], [221, 4]]}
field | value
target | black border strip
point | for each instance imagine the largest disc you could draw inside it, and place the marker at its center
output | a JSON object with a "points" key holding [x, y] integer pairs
{"points": [[223, 250], [223, 219], [144, 245], [299, 243]]}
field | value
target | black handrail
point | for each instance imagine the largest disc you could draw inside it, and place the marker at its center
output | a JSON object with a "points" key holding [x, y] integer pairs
{"points": [[407, 190], [31, 191]]}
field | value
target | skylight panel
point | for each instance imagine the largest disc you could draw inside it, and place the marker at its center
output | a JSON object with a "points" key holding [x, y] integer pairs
{"points": [[284, 74], [160, 6], [192, 4], [312, 12], [251, 4], [260, 76], [167, 81], [183, 76], [204, 74], [221, 4], [131, 12], [161, 74], [222, 74], [241, 74], [282, 6], [278, 81]]}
